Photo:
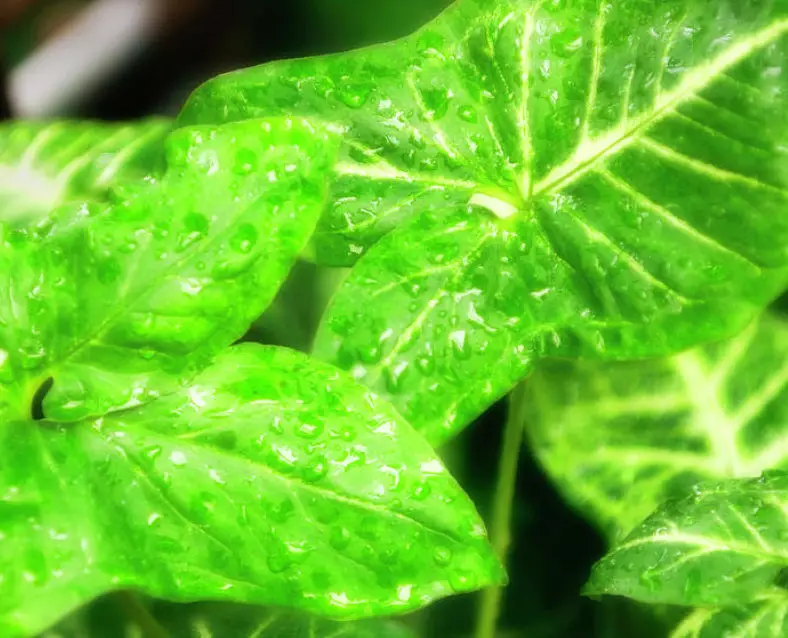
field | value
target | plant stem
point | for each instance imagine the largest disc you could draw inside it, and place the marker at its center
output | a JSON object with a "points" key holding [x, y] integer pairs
{"points": [[139, 614], [500, 526]]}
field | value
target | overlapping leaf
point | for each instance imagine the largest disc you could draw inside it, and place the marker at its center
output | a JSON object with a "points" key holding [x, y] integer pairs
{"points": [[270, 479], [118, 301], [724, 544], [619, 439], [578, 178], [218, 620], [763, 619], [45, 164]]}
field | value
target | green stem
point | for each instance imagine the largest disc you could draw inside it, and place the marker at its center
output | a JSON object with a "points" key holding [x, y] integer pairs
{"points": [[139, 614], [500, 526]]}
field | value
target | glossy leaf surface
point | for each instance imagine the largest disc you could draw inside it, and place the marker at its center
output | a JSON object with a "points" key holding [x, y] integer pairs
{"points": [[564, 178], [723, 544], [764, 619], [218, 620], [46, 164], [118, 301], [619, 439], [271, 479]]}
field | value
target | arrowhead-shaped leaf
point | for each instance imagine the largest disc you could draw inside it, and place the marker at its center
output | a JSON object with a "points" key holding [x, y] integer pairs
{"points": [[619, 439], [118, 301], [724, 544], [45, 164], [570, 178], [766, 618], [270, 479]]}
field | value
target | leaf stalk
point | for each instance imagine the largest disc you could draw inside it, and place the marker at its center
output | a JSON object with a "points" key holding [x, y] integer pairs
{"points": [[500, 526]]}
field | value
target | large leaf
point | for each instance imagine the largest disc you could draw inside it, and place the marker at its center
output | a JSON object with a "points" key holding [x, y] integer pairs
{"points": [[118, 301], [45, 164], [619, 439], [215, 620], [724, 544], [575, 178], [767, 618], [270, 479]]}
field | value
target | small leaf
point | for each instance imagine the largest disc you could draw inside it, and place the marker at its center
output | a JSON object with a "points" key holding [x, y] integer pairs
{"points": [[572, 179], [119, 301], [724, 544], [46, 164], [767, 618], [619, 439], [270, 479]]}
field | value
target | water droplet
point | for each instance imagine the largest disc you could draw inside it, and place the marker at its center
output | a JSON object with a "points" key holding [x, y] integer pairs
{"points": [[421, 491], [178, 458], [467, 114], [245, 162], [152, 452], [459, 344], [316, 470], [282, 511], [426, 364], [436, 100], [309, 430], [354, 94], [566, 42], [339, 537], [442, 556], [278, 562], [461, 581], [195, 227], [244, 239]]}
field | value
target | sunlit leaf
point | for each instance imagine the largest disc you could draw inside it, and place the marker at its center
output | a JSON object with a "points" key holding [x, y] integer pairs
{"points": [[564, 178], [119, 301], [270, 479]]}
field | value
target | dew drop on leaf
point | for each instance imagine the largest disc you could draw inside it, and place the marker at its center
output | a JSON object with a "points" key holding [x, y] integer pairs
{"points": [[442, 556], [244, 239]]}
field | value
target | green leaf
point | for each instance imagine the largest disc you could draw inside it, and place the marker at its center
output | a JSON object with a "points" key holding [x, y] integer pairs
{"points": [[45, 164], [766, 618], [270, 479], [619, 439], [119, 301], [564, 178], [218, 620], [724, 544]]}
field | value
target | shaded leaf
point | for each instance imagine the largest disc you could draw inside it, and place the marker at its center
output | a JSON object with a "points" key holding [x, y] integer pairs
{"points": [[766, 618], [619, 439], [215, 620], [270, 479], [724, 544], [118, 301], [46, 164], [565, 179]]}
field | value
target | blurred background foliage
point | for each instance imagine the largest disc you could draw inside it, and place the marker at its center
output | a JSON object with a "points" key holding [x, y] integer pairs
{"points": [[553, 548]]}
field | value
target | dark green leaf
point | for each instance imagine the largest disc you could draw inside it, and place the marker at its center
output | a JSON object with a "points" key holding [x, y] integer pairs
{"points": [[45, 164], [619, 439], [117, 302], [568, 178], [724, 544], [270, 479]]}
